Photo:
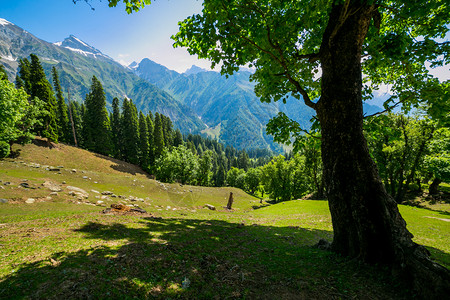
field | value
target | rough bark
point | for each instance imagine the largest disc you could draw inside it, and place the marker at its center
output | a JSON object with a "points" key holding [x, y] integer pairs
{"points": [[434, 186], [366, 221]]}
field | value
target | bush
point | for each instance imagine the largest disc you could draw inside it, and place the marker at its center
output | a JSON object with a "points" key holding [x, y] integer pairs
{"points": [[4, 149]]}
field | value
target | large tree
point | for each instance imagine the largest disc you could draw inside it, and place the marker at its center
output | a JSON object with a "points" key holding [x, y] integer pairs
{"points": [[41, 88], [317, 51], [96, 124], [62, 118]]}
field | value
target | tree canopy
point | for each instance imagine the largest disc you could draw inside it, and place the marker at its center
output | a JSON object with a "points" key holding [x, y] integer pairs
{"points": [[331, 54]]}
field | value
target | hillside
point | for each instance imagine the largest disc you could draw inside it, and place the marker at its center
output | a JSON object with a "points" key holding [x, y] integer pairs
{"points": [[228, 106], [61, 245], [77, 62], [90, 171]]}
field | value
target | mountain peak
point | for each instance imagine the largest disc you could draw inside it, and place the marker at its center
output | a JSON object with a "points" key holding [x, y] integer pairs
{"points": [[133, 65], [194, 70], [77, 45], [4, 22]]}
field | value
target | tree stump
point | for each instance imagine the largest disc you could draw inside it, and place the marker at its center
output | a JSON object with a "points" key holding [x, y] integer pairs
{"points": [[230, 201]]}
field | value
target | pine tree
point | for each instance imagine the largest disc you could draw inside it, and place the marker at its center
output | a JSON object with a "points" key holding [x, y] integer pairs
{"points": [[116, 129], [158, 136], [243, 160], [96, 122], [76, 111], [62, 119], [23, 77], [143, 142], [151, 140], [167, 130], [178, 138], [130, 131], [3, 74], [42, 89]]}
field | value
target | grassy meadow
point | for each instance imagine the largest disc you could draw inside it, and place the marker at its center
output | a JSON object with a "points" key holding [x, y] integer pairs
{"points": [[63, 246]]}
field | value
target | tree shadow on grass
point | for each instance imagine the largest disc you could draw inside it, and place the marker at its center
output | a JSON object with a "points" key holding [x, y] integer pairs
{"points": [[125, 167], [198, 259]]}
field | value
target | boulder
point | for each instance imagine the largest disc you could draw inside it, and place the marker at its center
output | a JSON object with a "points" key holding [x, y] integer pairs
{"points": [[25, 185], [209, 206], [30, 200], [76, 191], [106, 193], [4, 201], [52, 186]]}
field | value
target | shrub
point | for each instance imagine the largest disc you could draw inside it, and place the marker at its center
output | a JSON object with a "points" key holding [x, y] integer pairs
{"points": [[4, 149]]}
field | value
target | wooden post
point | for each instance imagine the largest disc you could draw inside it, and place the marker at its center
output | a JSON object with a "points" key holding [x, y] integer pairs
{"points": [[230, 201]]}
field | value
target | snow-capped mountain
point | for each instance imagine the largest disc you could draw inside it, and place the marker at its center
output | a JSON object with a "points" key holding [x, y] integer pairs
{"points": [[76, 62], [77, 45]]}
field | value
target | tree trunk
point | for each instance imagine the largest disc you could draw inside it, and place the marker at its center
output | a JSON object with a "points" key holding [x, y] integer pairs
{"points": [[366, 221], [434, 186]]}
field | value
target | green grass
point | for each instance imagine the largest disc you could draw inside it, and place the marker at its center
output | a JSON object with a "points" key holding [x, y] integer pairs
{"points": [[56, 248]]}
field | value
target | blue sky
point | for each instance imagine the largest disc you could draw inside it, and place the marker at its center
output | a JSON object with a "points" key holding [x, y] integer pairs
{"points": [[124, 37]]}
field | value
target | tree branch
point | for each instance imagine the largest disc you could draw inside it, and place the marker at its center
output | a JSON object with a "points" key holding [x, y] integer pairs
{"points": [[275, 46], [382, 112]]}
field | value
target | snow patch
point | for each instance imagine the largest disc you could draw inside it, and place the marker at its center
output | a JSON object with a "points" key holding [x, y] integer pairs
{"points": [[86, 53], [81, 42], [58, 44], [80, 51], [9, 57], [4, 22]]}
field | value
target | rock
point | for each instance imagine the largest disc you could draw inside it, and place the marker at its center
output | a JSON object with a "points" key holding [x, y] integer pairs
{"points": [[73, 170], [104, 197], [48, 198], [94, 191], [24, 185], [1, 187], [209, 206], [30, 200], [53, 169], [63, 182], [7, 183], [107, 193], [4, 200], [52, 186], [61, 167], [85, 177], [120, 207], [99, 202], [77, 191], [185, 283], [138, 209]]}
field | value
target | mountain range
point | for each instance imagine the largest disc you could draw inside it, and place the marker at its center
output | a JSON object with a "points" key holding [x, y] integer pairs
{"points": [[77, 62], [197, 101]]}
